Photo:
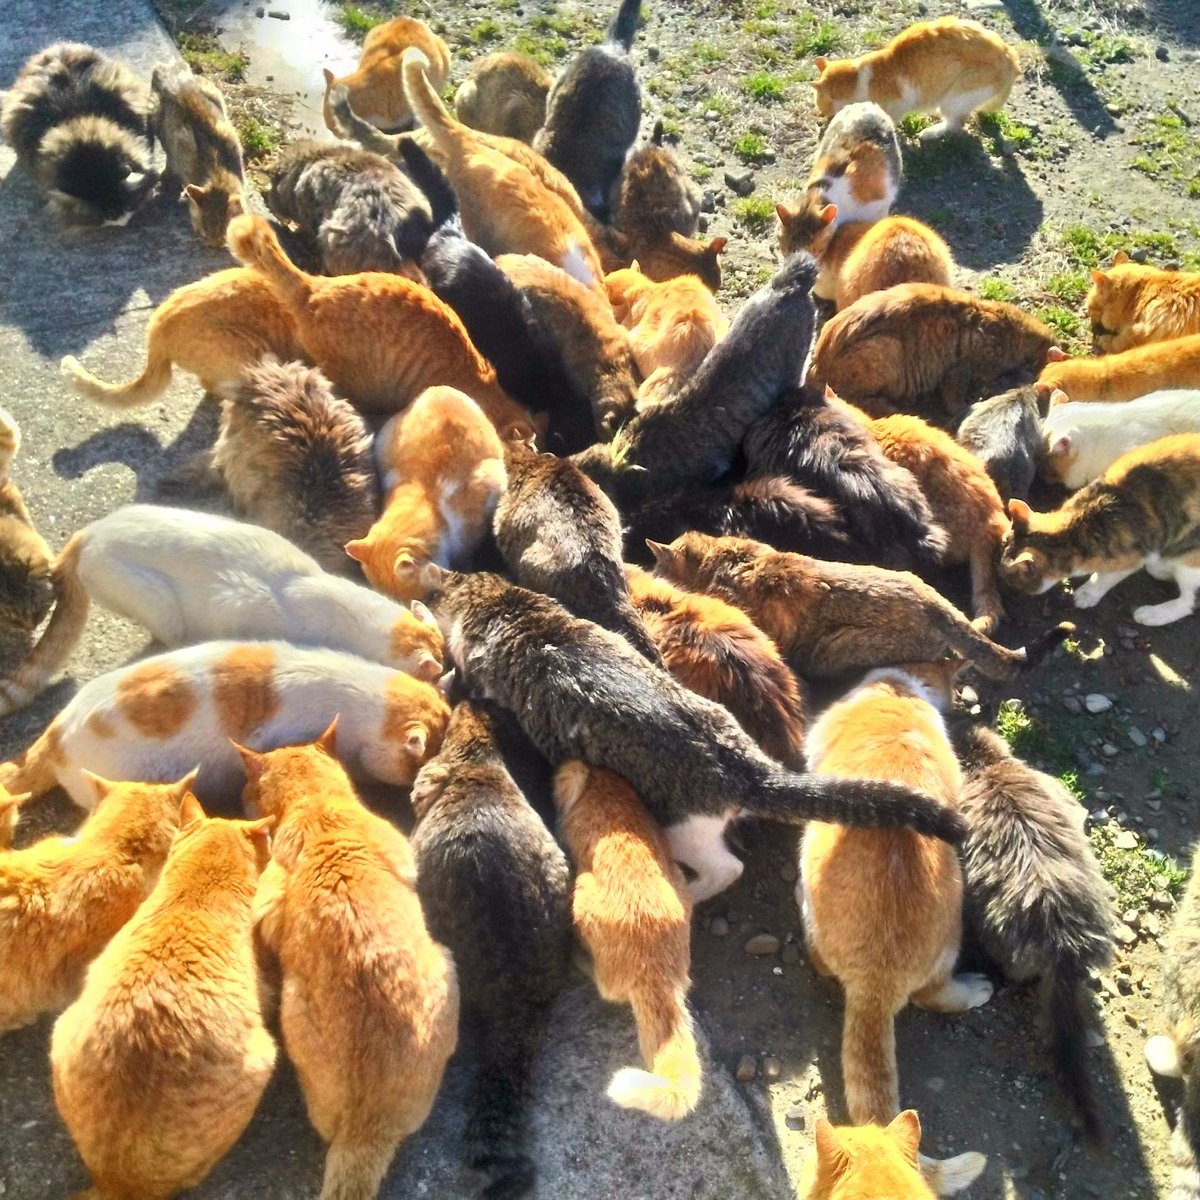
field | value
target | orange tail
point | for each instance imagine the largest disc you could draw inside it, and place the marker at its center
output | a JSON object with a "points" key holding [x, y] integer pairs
{"points": [[424, 100], [253, 243], [33, 771], [986, 603], [145, 389], [354, 1170], [671, 1088], [869, 1061]]}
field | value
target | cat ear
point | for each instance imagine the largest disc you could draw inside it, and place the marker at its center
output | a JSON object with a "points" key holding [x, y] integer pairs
{"points": [[187, 783], [1062, 445], [828, 214], [905, 1131], [404, 565], [100, 787], [195, 192], [414, 743], [259, 832], [1020, 513], [190, 811], [445, 683], [1099, 278], [717, 245], [1056, 354], [357, 549], [251, 760], [1120, 257], [831, 1158], [784, 213], [636, 266], [431, 577], [1058, 396], [830, 394], [422, 613], [330, 78], [664, 556], [328, 740], [821, 62]]}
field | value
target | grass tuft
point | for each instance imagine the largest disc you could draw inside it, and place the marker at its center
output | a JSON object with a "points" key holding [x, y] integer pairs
{"points": [[755, 212], [258, 138], [1138, 874], [763, 87], [357, 22], [203, 53], [992, 288], [750, 147]]}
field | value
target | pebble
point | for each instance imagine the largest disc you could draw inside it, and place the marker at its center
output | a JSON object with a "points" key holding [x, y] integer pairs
{"points": [[708, 203], [772, 1068], [788, 872], [747, 1069], [763, 944], [1096, 703], [740, 182], [1126, 840], [718, 927], [1130, 917], [796, 1117], [969, 695], [1159, 734], [1162, 53], [1126, 936], [279, 14], [1072, 705], [1109, 750], [935, 1083], [1136, 736], [791, 954], [1154, 805]]}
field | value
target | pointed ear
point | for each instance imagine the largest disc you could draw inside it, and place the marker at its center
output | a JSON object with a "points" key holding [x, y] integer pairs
{"points": [[195, 192], [828, 214], [831, 1158], [905, 1131], [100, 787], [187, 783], [190, 811], [1061, 446], [1020, 513], [422, 613], [357, 549], [251, 760], [717, 245], [259, 833], [636, 266], [1058, 396], [1120, 257], [414, 742], [328, 740], [830, 394], [1056, 354], [1099, 278], [784, 213], [821, 63], [330, 78], [664, 556], [445, 683], [404, 565], [431, 577]]}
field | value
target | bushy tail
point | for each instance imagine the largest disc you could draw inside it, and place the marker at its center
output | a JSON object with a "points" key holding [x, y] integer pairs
{"points": [[354, 1170], [423, 98], [949, 1175], [795, 517], [999, 662], [670, 1089], [869, 1060], [33, 770], [496, 1128], [253, 243], [430, 178], [623, 27], [1067, 1013], [58, 638], [145, 389]]}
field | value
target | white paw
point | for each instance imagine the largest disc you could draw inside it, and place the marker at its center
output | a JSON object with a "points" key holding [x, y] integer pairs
{"points": [[976, 988], [934, 132], [1162, 1056], [1160, 614], [949, 1175], [1089, 595]]}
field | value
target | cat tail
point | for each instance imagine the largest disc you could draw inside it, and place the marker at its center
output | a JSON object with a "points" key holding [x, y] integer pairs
{"points": [[32, 770], [253, 243], [949, 1175], [355, 1167], [60, 636], [986, 604], [623, 27], [145, 389], [670, 1089], [999, 662], [424, 100], [1067, 1010], [1185, 1172], [869, 1072], [10, 442], [431, 179]]}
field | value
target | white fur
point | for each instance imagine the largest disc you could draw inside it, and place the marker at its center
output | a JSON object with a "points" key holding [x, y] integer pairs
{"points": [[699, 843], [837, 192], [1165, 569], [575, 264], [631, 1087], [949, 1175], [1162, 1055], [1085, 439]]}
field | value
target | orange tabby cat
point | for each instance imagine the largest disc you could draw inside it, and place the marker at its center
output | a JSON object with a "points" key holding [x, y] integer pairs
{"points": [[633, 913], [442, 468], [214, 328], [1122, 376], [369, 1006], [866, 1163], [10, 812], [62, 898], [380, 338], [659, 258], [160, 1063], [376, 86], [1130, 305]]}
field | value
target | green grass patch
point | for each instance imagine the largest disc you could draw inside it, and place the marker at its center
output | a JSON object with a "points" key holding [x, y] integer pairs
{"points": [[1069, 287], [750, 147], [755, 212], [815, 37], [357, 22], [1104, 50], [484, 31], [999, 125], [258, 138], [545, 51], [1138, 874], [203, 53], [992, 288], [1062, 320], [912, 125], [1031, 737], [763, 87], [702, 171], [721, 103]]}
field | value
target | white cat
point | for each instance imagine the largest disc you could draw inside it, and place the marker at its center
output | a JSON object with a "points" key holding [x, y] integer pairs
{"points": [[191, 576]]}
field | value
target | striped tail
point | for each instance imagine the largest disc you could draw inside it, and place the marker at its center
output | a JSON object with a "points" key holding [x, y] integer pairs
{"points": [[869, 1071]]}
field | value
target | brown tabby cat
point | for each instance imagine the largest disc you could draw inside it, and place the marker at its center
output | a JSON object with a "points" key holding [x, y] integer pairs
{"points": [[653, 196], [1130, 305], [26, 578], [505, 94], [1122, 376]]}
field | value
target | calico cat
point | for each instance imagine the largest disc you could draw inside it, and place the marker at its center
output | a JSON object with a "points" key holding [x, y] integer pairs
{"points": [[64, 897], [593, 112], [369, 1000], [375, 89], [715, 650], [949, 66], [26, 577], [297, 458], [1125, 376], [215, 329], [1144, 511], [560, 535], [495, 889], [189, 577], [506, 208], [202, 147], [866, 1162], [381, 339], [927, 348], [362, 213], [1004, 433], [442, 467], [1081, 441], [1035, 897], [1131, 304], [580, 691], [595, 350], [159, 1065], [80, 124], [633, 914], [653, 196], [832, 618], [162, 715], [504, 93]]}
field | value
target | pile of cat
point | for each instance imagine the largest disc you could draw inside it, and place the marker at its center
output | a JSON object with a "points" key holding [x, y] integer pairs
{"points": [[487, 372]]}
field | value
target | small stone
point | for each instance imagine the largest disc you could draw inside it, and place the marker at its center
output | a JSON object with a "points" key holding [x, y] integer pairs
{"points": [[1130, 917], [747, 1069], [270, 78], [1154, 805], [1113, 109], [1159, 734], [652, 53], [1152, 834], [969, 695], [1136, 736], [1140, 254], [740, 182], [1072, 705], [935, 1083], [718, 927], [260, 12], [796, 1117], [1126, 936], [708, 203], [772, 1068], [1124, 985], [1095, 703], [1126, 840], [1152, 924], [702, 223], [788, 872], [1162, 902], [791, 954], [279, 14], [763, 944], [1109, 750], [1096, 770], [1162, 53], [1109, 985]]}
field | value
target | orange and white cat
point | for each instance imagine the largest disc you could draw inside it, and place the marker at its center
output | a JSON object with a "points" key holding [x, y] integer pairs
{"points": [[369, 1003], [62, 898], [159, 1065], [442, 467], [1131, 304], [633, 913], [865, 1163], [950, 66], [1125, 375]]}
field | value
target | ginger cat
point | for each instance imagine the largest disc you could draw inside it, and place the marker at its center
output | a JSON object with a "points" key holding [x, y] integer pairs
{"points": [[442, 467], [633, 914], [1126, 375], [214, 329], [1130, 305], [159, 717], [159, 1065], [27, 585], [380, 338], [369, 1003], [62, 898], [375, 89], [10, 812], [950, 66], [505, 94], [866, 1163], [1144, 511]]}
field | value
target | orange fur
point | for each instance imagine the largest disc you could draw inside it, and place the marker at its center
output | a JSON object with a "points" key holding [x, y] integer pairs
{"points": [[1130, 305], [863, 257], [660, 257], [1125, 375], [864, 168], [869, 1163], [505, 94], [369, 1007]]}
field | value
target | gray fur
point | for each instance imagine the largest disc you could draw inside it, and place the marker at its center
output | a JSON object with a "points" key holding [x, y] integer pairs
{"points": [[654, 195], [1005, 434]]}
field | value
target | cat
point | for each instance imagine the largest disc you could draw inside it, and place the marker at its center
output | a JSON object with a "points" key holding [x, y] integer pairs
{"points": [[1144, 511], [633, 914], [160, 716], [866, 1162], [930, 349], [360, 210], [821, 446], [381, 339], [653, 196], [857, 171], [560, 535], [80, 124], [27, 587], [189, 577], [215, 329], [1111, 378], [660, 258], [593, 112], [882, 909], [949, 66], [1035, 898], [1004, 433], [580, 691], [1080, 441], [715, 650], [202, 148], [297, 459], [62, 898], [505, 94], [159, 1065], [375, 89], [832, 618], [442, 467], [1131, 305], [496, 890], [506, 208], [595, 350], [10, 814], [369, 1000]]}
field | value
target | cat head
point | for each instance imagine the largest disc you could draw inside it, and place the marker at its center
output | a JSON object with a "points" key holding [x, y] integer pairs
{"points": [[866, 1162], [1059, 445], [96, 172], [625, 288], [700, 559], [401, 574], [26, 592], [677, 255], [274, 778], [414, 725], [1031, 562], [417, 643], [1113, 300], [213, 851], [808, 225], [932, 682], [133, 808], [329, 106], [211, 208], [835, 85]]}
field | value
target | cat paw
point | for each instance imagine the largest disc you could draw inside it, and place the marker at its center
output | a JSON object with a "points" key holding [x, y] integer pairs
{"points": [[946, 1176], [1162, 1056], [1160, 614], [1089, 595], [976, 989]]}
